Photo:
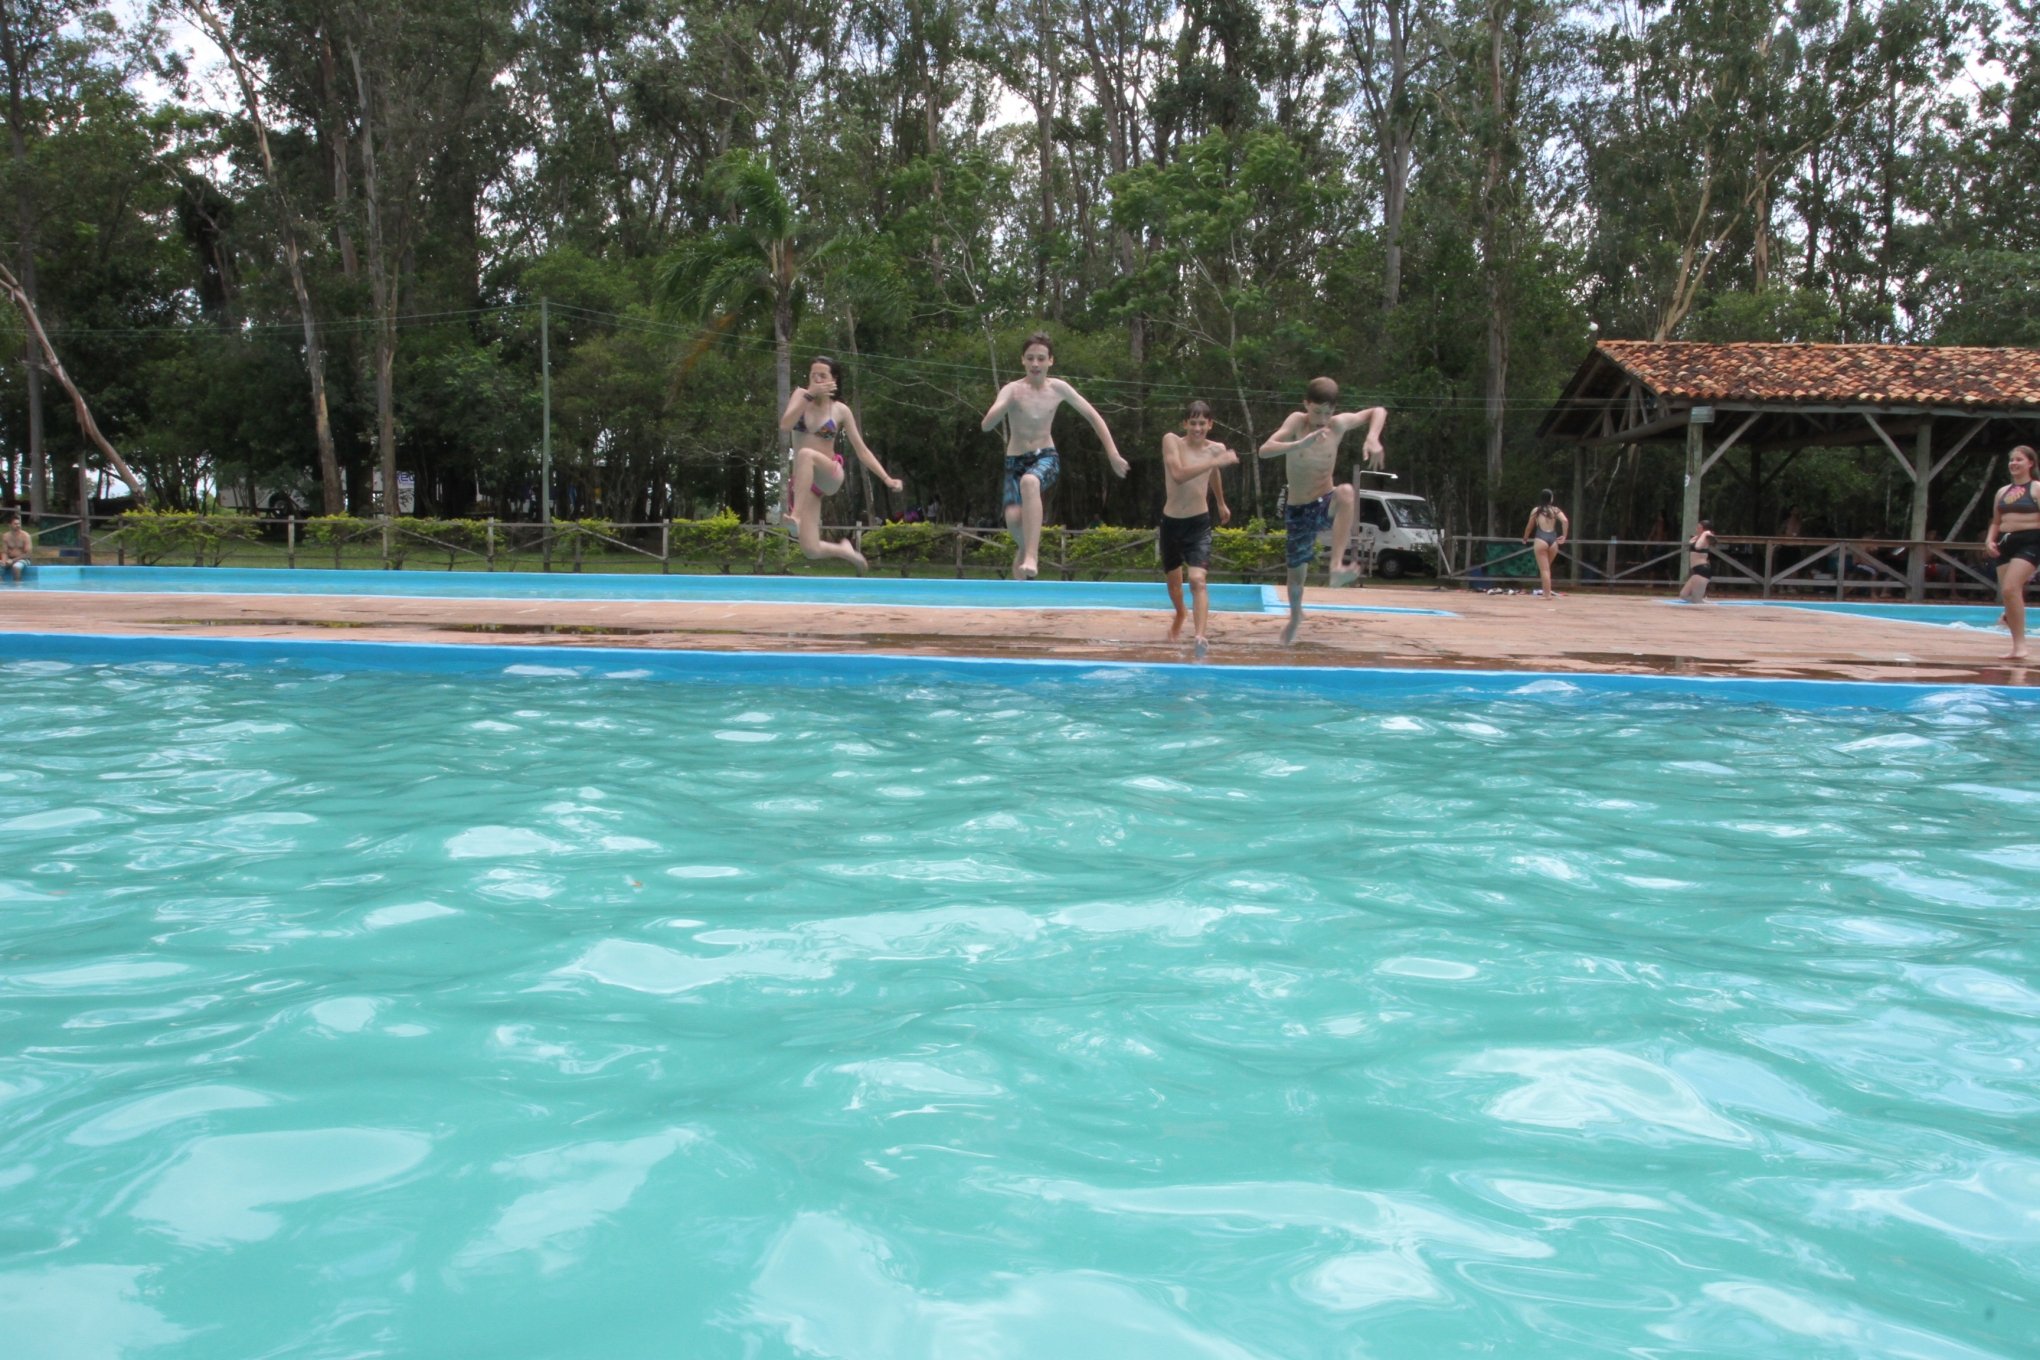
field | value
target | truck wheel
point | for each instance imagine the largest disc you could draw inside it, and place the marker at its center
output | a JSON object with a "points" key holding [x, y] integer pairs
{"points": [[1391, 566], [281, 507]]}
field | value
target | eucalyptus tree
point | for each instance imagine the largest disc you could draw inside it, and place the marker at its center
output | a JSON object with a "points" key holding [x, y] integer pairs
{"points": [[1705, 108], [287, 214], [33, 49], [420, 78], [754, 268], [1397, 48]]}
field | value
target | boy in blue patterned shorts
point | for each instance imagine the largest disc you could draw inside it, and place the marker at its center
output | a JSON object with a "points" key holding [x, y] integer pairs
{"points": [[1309, 440], [1028, 406]]}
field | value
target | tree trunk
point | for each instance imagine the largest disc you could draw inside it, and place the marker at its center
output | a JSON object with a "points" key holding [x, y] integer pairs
{"points": [[1044, 118], [315, 354], [1493, 230], [382, 286], [11, 51], [782, 374]]}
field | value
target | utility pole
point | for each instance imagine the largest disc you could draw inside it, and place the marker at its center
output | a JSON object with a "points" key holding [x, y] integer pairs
{"points": [[545, 434]]}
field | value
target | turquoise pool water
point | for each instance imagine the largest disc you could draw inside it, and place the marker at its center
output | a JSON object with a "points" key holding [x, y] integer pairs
{"points": [[822, 590], [1946, 615], [894, 1015]]}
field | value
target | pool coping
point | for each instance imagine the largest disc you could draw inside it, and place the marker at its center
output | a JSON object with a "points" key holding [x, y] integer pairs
{"points": [[608, 663]]}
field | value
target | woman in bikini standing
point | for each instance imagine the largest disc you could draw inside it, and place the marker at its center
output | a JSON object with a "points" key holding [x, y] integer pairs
{"points": [[1545, 532], [819, 423], [1702, 570], [2014, 540]]}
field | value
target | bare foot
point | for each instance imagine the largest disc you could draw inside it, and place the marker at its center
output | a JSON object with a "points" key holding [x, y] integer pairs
{"points": [[857, 561], [1289, 633], [1203, 649], [1176, 625], [1024, 571], [2013, 656], [1344, 576]]}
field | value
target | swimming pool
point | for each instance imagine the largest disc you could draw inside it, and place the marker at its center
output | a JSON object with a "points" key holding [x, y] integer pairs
{"points": [[822, 590], [499, 1002], [1942, 615]]}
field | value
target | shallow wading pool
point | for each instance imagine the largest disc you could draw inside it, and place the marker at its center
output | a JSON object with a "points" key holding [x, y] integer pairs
{"points": [[479, 1001], [844, 591]]}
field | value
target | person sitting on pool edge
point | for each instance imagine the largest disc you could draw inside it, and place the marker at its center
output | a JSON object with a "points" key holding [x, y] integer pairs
{"points": [[17, 549], [1309, 441], [1191, 463], [1028, 406]]}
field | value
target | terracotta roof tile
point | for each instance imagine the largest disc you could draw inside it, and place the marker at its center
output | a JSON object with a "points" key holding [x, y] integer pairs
{"points": [[1897, 375]]}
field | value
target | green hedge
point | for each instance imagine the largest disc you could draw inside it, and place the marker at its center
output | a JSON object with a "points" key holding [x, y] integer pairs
{"points": [[151, 536], [723, 542]]}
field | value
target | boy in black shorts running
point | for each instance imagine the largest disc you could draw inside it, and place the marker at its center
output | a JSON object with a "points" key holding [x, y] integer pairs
{"points": [[1192, 462]]}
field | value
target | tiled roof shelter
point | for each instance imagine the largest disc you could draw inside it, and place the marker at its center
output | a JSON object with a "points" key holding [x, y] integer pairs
{"points": [[1926, 404]]}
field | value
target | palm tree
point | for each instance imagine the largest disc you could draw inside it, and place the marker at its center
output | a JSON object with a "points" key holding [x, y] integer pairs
{"points": [[752, 266]]}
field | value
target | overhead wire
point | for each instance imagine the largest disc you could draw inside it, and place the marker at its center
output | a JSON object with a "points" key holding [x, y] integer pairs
{"points": [[897, 367]]}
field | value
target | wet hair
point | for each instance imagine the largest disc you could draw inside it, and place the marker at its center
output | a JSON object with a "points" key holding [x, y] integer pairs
{"points": [[1195, 410], [1706, 525], [1321, 389], [835, 371], [1038, 338], [1544, 501]]}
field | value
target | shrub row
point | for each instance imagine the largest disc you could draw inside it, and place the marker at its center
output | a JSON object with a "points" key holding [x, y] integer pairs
{"points": [[725, 542]]}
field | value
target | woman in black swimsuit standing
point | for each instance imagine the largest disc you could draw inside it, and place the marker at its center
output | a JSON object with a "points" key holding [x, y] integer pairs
{"points": [[1702, 570], [819, 423], [1545, 532], [2014, 540]]}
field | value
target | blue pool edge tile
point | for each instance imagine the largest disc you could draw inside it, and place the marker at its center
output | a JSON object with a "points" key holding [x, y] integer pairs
{"points": [[649, 663]]}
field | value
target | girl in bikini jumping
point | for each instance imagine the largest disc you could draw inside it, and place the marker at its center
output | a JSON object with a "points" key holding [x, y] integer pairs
{"points": [[819, 424]]}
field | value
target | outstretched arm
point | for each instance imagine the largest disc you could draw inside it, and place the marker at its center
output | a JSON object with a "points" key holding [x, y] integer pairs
{"points": [[864, 453], [1090, 413]]}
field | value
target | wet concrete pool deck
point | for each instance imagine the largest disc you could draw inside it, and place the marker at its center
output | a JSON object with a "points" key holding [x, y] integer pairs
{"points": [[1622, 634]]}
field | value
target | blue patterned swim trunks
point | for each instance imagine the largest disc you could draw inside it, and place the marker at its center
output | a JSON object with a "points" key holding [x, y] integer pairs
{"points": [[1305, 522], [1042, 462]]}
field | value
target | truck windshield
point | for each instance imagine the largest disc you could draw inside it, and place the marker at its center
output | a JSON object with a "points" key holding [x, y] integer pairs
{"points": [[1413, 514]]}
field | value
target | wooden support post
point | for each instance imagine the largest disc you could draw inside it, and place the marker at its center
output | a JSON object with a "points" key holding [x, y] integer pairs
{"points": [[1689, 510], [1579, 495], [666, 548], [290, 539], [1923, 476], [489, 541]]}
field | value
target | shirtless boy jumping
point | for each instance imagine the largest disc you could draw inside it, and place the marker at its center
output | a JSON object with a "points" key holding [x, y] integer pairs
{"points": [[1191, 462], [1309, 439], [1028, 406]]}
